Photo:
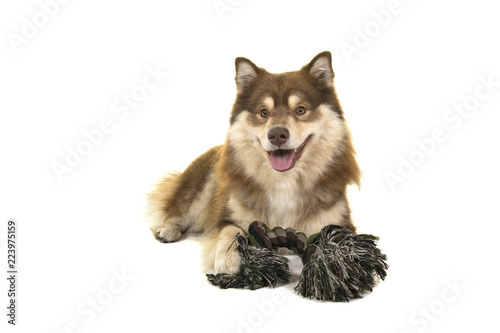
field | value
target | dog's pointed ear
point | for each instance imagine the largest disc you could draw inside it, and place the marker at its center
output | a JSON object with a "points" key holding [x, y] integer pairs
{"points": [[246, 71], [321, 68]]}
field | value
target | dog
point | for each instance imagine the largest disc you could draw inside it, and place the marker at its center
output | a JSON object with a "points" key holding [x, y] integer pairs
{"points": [[286, 161]]}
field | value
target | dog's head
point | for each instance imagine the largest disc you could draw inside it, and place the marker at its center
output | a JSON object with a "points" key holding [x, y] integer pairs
{"points": [[288, 122]]}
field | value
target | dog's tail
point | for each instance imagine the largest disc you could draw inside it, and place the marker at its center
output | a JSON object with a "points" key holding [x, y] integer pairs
{"points": [[157, 200]]}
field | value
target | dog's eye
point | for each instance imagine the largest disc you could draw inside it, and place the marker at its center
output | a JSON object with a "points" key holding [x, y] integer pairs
{"points": [[264, 113], [300, 110]]}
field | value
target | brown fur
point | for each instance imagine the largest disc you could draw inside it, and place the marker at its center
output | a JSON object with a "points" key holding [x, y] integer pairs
{"points": [[229, 186]]}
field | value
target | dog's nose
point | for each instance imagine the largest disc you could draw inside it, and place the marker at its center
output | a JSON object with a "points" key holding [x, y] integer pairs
{"points": [[278, 136]]}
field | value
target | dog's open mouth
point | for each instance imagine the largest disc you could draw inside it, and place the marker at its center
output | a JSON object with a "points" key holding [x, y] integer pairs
{"points": [[284, 159]]}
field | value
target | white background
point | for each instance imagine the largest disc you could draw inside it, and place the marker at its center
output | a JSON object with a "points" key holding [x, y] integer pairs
{"points": [[438, 227]]}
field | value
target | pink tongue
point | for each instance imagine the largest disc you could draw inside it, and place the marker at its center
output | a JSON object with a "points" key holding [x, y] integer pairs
{"points": [[281, 159]]}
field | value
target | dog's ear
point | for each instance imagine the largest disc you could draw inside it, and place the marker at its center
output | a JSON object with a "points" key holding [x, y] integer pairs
{"points": [[321, 68], [246, 71]]}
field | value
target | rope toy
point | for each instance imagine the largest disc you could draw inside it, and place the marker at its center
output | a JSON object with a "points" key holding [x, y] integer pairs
{"points": [[338, 264]]}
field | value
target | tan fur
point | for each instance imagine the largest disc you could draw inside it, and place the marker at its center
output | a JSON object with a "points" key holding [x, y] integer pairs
{"points": [[230, 186]]}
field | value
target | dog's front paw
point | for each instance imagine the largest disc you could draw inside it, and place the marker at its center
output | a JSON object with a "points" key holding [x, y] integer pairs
{"points": [[168, 233], [228, 262]]}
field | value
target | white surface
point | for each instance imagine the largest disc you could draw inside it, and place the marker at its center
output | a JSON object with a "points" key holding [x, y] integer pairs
{"points": [[438, 228]]}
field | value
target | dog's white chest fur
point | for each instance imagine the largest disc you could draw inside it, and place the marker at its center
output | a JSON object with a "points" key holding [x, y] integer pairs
{"points": [[283, 199]]}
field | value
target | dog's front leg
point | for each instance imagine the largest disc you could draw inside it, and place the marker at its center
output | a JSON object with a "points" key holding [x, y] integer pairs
{"points": [[227, 258], [219, 252]]}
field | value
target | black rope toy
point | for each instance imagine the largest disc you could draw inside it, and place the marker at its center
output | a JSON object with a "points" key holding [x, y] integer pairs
{"points": [[338, 264]]}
